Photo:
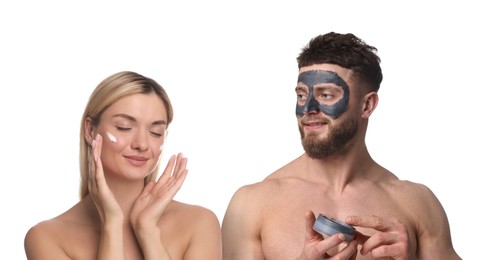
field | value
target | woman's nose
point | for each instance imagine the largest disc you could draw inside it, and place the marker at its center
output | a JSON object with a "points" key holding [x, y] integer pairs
{"points": [[140, 141]]}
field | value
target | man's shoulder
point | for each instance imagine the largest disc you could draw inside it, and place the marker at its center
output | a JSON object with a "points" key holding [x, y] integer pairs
{"points": [[408, 187], [416, 195], [264, 191], [277, 182], [272, 181], [259, 187]]}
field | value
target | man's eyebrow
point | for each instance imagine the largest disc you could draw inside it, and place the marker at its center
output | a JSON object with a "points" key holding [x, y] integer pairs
{"points": [[319, 85], [300, 86], [327, 85]]}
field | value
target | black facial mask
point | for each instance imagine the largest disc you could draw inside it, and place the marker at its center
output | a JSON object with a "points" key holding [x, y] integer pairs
{"points": [[314, 77]]}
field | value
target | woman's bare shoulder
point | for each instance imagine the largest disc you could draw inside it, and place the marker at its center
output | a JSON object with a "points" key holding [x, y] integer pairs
{"points": [[56, 230], [197, 229], [188, 220], [42, 229], [50, 227], [47, 237], [184, 211]]}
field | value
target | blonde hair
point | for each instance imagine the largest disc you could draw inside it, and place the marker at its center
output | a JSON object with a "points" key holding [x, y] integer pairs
{"points": [[110, 90]]}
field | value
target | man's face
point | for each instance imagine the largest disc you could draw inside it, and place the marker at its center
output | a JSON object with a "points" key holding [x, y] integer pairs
{"points": [[322, 100]]}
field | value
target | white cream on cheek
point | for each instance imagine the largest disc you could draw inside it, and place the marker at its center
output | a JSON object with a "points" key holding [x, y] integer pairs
{"points": [[111, 137]]}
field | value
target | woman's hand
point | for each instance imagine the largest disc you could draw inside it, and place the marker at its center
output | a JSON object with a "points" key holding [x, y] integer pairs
{"points": [[109, 210], [156, 196]]}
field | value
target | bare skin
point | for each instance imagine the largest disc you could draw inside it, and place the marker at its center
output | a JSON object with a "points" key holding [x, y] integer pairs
{"points": [[121, 218], [395, 219], [184, 235]]}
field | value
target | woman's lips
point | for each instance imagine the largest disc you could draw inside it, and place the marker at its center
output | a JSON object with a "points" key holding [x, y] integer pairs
{"points": [[136, 160]]}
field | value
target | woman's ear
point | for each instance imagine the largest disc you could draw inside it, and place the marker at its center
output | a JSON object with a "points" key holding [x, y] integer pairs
{"points": [[89, 130], [370, 102]]}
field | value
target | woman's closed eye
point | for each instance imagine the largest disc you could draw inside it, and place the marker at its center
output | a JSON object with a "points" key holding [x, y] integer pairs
{"points": [[157, 134], [157, 131], [121, 128]]}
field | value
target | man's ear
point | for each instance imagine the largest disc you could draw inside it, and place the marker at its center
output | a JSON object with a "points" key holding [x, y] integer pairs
{"points": [[89, 130], [370, 102]]}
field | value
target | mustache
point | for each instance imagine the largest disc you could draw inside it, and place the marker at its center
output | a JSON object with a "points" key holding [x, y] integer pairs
{"points": [[314, 119]]}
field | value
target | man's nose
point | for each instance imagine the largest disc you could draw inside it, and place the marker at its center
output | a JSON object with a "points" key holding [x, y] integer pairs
{"points": [[311, 106]]}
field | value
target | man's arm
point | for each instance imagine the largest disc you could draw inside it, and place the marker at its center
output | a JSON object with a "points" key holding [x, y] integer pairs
{"points": [[241, 228], [434, 241]]}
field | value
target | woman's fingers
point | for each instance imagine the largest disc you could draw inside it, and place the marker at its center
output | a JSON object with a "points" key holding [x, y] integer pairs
{"points": [[174, 169], [96, 169]]}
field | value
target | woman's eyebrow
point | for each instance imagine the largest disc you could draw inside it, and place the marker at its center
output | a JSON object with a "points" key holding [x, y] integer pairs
{"points": [[126, 116], [133, 119], [159, 122]]}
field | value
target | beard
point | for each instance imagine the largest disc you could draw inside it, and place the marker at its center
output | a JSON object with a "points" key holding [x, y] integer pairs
{"points": [[335, 143]]}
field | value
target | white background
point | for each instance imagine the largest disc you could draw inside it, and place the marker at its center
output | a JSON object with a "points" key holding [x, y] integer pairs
{"points": [[230, 71]]}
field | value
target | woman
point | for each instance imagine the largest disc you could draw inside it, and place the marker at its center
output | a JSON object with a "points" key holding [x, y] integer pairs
{"points": [[124, 211]]}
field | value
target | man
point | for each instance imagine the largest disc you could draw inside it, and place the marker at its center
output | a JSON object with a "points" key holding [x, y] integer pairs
{"points": [[339, 76]]}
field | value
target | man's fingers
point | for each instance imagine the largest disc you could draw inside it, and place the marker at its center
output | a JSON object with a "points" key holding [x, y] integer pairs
{"points": [[309, 223], [374, 222]]}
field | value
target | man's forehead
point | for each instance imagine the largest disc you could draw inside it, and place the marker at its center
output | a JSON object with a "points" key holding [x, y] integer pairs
{"points": [[323, 66], [314, 77], [330, 74], [318, 74]]}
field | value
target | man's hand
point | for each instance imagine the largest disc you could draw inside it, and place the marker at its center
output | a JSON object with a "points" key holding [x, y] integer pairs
{"points": [[317, 247], [391, 240]]}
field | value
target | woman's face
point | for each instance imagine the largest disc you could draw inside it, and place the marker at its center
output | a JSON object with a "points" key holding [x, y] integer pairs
{"points": [[133, 131]]}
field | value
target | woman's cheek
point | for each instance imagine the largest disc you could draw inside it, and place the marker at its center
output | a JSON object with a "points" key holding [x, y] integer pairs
{"points": [[115, 141], [110, 149], [111, 137], [158, 149]]}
